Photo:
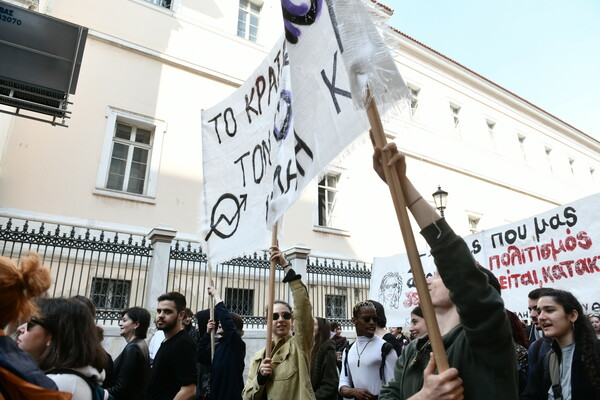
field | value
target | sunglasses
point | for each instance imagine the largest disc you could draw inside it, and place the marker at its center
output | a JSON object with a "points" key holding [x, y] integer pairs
{"points": [[368, 319], [33, 322], [285, 315]]}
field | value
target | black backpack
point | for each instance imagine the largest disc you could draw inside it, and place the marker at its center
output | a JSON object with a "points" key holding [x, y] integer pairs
{"points": [[385, 349], [97, 390]]}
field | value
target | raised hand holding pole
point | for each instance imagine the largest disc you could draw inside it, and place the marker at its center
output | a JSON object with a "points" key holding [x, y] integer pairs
{"points": [[393, 181]]}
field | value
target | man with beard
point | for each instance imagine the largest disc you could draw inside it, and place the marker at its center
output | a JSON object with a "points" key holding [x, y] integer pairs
{"points": [[173, 374], [540, 345], [369, 362]]}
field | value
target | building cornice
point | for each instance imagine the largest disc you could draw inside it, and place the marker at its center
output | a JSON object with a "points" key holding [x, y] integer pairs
{"points": [[435, 58], [166, 58]]}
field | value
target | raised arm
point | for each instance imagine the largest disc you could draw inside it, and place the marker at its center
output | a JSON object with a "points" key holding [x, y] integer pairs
{"points": [[222, 312], [490, 338], [423, 212], [453, 260], [303, 321]]}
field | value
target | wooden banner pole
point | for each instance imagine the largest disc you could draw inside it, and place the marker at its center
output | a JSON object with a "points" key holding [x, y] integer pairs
{"points": [[211, 307], [272, 270], [393, 181]]}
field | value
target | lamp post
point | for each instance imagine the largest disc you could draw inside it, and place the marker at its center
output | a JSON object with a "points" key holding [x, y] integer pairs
{"points": [[440, 197]]}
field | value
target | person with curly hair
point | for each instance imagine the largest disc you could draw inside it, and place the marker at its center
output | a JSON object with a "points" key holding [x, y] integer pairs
{"points": [[571, 370], [20, 376]]}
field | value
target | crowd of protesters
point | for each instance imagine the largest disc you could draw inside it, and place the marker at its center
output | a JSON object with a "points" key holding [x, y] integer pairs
{"points": [[56, 351]]}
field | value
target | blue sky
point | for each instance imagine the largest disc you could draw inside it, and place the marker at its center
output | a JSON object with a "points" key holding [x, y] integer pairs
{"points": [[547, 52]]}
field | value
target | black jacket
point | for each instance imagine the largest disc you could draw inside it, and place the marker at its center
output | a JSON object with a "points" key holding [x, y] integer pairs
{"points": [[227, 367], [391, 339], [132, 369], [581, 388], [324, 375]]}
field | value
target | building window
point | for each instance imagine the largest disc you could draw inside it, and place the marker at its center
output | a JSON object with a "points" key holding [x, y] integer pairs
{"points": [[335, 306], [163, 3], [240, 301], [572, 165], [128, 170], [327, 199], [248, 17], [522, 146], [548, 151], [110, 294], [455, 111], [414, 99], [130, 158], [474, 223]]}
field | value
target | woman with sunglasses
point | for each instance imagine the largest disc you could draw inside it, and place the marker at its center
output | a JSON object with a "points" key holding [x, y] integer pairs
{"points": [[132, 367], [20, 376], [285, 375], [64, 341], [571, 370]]}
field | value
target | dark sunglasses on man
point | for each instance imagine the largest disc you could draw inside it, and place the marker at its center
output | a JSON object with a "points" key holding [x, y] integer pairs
{"points": [[368, 319]]}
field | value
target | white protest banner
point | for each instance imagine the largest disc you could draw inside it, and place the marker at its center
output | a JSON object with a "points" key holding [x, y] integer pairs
{"points": [[559, 248], [393, 286], [267, 141]]}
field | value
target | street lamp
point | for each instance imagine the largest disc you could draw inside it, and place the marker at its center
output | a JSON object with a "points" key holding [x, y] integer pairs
{"points": [[440, 196]]}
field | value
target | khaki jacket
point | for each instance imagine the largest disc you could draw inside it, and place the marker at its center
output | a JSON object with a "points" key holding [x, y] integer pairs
{"points": [[290, 357]]}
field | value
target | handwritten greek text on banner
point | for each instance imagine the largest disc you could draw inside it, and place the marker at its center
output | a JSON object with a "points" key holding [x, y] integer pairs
{"points": [[559, 249], [266, 142]]}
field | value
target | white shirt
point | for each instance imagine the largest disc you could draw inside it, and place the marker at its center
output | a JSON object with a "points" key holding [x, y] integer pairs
{"points": [[155, 343], [77, 386], [366, 376]]}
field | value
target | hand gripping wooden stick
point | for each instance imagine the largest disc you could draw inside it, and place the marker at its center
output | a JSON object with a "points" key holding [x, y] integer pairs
{"points": [[393, 181]]}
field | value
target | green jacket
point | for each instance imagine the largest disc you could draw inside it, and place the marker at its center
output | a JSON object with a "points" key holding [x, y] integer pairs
{"points": [[290, 356], [481, 347]]}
